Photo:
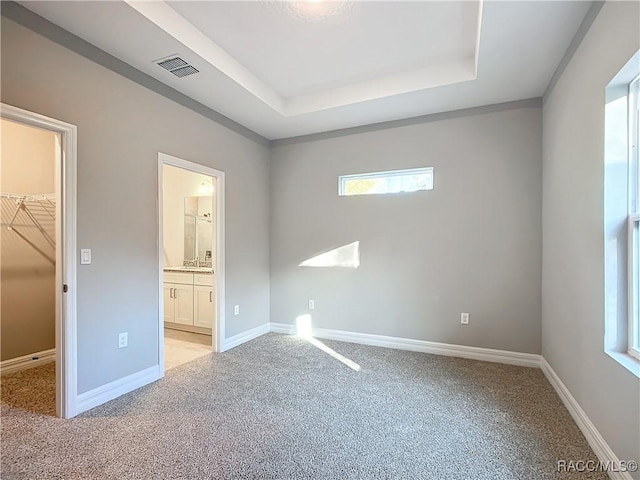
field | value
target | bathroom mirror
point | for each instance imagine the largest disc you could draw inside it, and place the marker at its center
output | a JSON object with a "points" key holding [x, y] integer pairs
{"points": [[198, 229]]}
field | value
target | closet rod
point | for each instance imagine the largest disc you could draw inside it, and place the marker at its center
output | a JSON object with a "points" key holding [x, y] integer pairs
{"points": [[35, 221], [42, 201]]}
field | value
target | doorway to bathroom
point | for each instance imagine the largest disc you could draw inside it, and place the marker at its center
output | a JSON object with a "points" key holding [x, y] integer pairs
{"points": [[191, 261]]}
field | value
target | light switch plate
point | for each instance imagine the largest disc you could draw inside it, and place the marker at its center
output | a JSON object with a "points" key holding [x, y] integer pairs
{"points": [[85, 256]]}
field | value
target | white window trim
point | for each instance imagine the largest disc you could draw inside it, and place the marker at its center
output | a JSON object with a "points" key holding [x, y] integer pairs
{"points": [[633, 242], [343, 179], [634, 277]]}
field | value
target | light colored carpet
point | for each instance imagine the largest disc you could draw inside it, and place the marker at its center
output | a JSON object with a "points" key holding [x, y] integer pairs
{"points": [[183, 347], [278, 407]]}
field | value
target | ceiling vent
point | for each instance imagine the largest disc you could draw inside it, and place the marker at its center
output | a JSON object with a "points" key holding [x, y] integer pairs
{"points": [[177, 66]]}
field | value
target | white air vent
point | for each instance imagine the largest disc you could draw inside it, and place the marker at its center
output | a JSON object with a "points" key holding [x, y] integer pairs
{"points": [[177, 66]]}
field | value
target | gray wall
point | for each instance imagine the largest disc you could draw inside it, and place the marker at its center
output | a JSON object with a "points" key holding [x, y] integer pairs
{"points": [[573, 239], [28, 303], [472, 244], [121, 128]]}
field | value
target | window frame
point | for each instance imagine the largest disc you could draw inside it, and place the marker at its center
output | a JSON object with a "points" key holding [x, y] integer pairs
{"points": [[343, 179], [633, 220]]}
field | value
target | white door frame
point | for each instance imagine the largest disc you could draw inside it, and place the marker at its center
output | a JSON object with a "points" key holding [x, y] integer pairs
{"points": [[218, 327], [66, 273]]}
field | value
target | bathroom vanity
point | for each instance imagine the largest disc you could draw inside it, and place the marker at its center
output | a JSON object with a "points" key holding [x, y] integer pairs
{"points": [[189, 299]]}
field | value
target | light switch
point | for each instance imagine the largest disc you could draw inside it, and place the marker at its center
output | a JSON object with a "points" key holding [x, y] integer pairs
{"points": [[85, 256]]}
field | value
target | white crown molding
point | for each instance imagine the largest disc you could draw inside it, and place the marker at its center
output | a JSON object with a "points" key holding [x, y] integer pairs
{"points": [[394, 84], [13, 365], [476, 55]]}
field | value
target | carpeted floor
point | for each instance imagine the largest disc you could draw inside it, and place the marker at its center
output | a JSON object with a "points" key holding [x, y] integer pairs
{"points": [[278, 407]]}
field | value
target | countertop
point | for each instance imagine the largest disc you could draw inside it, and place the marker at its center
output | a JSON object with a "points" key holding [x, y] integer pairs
{"points": [[199, 270]]}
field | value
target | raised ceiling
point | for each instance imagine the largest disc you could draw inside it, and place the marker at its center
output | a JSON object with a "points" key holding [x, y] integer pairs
{"points": [[297, 53], [285, 69]]}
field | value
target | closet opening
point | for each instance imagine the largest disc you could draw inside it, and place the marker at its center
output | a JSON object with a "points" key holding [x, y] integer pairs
{"points": [[191, 260], [37, 276]]}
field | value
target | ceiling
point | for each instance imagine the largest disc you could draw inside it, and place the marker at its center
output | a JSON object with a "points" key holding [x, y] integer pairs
{"points": [[284, 69]]}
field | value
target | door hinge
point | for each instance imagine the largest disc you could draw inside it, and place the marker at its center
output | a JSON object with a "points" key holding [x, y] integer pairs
{"points": [[65, 288]]}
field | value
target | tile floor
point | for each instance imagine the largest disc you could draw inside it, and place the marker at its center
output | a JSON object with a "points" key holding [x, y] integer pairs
{"points": [[182, 347]]}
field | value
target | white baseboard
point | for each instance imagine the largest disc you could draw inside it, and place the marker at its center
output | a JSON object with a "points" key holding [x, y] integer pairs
{"points": [[285, 328], [462, 351], [98, 396], [27, 361], [599, 445], [243, 337]]}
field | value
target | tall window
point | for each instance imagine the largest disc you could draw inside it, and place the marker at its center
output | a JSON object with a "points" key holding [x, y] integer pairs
{"points": [[622, 217], [634, 218]]}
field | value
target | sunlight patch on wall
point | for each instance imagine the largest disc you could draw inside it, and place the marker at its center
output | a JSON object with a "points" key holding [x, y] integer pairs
{"points": [[303, 326], [347, 256]]}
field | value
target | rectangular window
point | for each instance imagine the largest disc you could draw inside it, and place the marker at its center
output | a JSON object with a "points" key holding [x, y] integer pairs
{"points": [[395, 181], [634, 219]]}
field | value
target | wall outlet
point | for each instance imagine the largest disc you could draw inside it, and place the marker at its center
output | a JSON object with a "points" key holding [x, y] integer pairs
{"points": [[464, 318], [123, 339], [236, 310], [312, 304]]}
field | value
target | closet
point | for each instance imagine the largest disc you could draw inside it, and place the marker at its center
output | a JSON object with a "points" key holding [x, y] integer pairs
{"points": [[28, 241]]}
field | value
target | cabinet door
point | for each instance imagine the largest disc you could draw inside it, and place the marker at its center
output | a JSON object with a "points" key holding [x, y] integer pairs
{"points": [[169, 309], [183, 298], [204, 306]]}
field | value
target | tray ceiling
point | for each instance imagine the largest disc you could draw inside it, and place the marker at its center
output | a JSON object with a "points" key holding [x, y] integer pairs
{"points": [[285, 69]]}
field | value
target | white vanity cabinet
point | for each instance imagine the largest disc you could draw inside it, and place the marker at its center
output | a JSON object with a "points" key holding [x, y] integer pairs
{"points": [[178, 298], [203, 301], [188, 301]]}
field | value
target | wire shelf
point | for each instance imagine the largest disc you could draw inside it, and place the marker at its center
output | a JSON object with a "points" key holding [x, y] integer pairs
{"points": [[32, 219]]}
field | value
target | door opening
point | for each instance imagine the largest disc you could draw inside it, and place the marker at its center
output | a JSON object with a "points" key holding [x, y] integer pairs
{"points": [[40, 224], [191, 260]]}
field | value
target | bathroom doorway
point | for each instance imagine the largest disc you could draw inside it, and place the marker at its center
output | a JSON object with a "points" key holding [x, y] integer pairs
{"points": [[191, 260]]}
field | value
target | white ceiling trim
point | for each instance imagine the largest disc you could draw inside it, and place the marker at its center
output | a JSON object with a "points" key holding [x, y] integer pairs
{"points": [[395, 84], [183, 31], [174, 24], [478, 32]]}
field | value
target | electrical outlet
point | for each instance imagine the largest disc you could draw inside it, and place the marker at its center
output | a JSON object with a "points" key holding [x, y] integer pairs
{"points": [[312, 304], [236, 310], [123, 340], [464, 318]]}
